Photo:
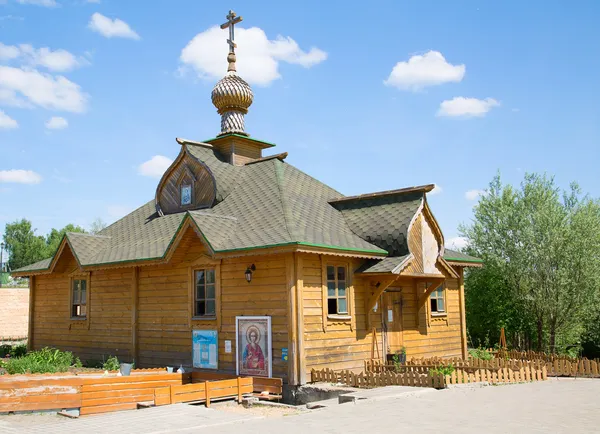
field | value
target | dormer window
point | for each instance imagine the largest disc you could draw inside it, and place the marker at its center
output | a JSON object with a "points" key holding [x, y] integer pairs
{"points": [[186, 194]]}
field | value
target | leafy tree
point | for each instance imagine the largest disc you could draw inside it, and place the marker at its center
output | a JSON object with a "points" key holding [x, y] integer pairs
{"points": [[55, 237], [541, 249], [97, 226], [23, 245]]}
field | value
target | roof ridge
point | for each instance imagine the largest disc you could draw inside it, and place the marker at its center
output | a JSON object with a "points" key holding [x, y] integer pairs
{"points": [[89, 235], [287, 214], [282, 156], [400, 192]]}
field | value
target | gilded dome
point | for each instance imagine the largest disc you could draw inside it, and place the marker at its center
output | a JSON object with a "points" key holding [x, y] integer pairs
{"points": [[232, 93]]}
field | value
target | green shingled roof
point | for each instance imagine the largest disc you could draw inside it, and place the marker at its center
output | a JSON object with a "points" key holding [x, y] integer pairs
{"points": [[270, 203], [382, 220], [386, 265], [455, 256]]}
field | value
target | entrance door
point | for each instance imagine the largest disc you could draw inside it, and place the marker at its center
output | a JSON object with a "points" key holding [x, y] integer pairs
{"points": [[392, 301]]}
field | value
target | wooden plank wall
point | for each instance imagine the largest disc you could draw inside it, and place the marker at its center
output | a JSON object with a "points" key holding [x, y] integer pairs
{"points": [[425, 335], [165, 325], [339, 347], [107, 330]]}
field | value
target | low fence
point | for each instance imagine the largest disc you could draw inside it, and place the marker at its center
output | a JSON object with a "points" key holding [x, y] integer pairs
{"points": [[370, 380], [93, 393], [436, 380], [534, 355], [555, 368]]}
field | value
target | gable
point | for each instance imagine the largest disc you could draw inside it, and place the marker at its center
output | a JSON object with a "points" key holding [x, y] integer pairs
{"points": [[189, 174], [424, 242]]}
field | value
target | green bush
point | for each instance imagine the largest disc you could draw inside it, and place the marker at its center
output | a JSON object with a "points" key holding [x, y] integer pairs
{"points": [[46, 360], [8, 350], [480, 353], [445, 370], [111, 364]]}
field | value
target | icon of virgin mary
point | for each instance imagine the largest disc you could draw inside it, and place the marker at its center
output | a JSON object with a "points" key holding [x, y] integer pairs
{"points": [[253, 357]]}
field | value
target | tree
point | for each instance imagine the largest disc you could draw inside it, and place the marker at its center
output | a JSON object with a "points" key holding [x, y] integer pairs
{"points": [[541, 249], [97, 226], [23, 245], [55, 237]]}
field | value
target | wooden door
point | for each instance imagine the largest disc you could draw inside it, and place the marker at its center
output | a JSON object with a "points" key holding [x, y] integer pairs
{"points": [[392, 300]]}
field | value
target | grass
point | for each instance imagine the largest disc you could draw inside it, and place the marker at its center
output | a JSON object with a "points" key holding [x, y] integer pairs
{"points": [[480, 353], [445, 370], [46, 360]]}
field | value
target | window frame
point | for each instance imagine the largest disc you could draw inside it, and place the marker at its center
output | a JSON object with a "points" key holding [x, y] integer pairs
{"points": [[195, 299], [81, 278], [181, 186], [204, 262], [348, 318], [336, 283], [440, 294]]}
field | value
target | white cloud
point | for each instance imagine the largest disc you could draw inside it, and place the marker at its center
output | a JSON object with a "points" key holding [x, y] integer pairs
{"points": [[111, 28], [20, 176], [458, 243], [24, 87], [474, 194], [57, 123], [45, 3], [258, 57], [8, 52], [466, 107], [436, 190], [6, 122], [423, 70], [57, 60], [155, 167]]}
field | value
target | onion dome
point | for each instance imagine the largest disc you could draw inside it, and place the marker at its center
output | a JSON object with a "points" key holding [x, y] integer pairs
{"points": [[232, 96]]}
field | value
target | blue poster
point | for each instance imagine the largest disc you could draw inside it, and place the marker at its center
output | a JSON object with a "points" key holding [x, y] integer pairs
{"points": [[284, 354], [205, 349]]}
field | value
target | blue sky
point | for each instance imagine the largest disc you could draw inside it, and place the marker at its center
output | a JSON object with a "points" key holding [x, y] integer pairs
{"points": [[478, 87]]}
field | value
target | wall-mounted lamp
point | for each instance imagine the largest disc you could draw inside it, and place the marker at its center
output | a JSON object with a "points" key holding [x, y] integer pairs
{"points": [[248, 273]]}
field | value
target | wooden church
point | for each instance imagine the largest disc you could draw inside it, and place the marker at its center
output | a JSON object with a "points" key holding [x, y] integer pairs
{"points": [[243, 263]]}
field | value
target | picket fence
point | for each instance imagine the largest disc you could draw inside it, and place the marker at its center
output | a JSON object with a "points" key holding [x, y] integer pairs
{"points": [[534, 356], [371, 380], [430, 379], [556, 368]]}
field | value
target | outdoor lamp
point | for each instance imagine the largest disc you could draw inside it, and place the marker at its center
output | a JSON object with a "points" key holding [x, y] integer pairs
{"points": [[248, 273]]}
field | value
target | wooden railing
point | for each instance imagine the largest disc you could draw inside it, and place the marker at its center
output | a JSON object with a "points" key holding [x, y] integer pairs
{"points": [[94, 393]]}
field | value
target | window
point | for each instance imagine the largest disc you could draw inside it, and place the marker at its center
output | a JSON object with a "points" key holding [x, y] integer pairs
{"points": [[437, 300], [337, 300], [186, 194], [204, 294], [79, 298]]}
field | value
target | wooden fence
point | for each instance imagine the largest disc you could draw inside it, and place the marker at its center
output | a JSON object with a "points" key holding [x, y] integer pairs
{"points": [[370, 380], [429, 379], [556, 368], [533, 356], [94, 394]]}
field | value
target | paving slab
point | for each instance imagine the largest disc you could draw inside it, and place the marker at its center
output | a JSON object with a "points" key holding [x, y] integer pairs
{"points": [[156, 420]]}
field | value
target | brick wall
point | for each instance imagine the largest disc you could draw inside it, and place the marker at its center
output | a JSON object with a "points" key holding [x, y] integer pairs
{"points": [[14, 312]]}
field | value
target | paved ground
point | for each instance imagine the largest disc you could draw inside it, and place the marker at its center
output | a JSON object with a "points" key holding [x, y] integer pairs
{"points": [[564, 405]]}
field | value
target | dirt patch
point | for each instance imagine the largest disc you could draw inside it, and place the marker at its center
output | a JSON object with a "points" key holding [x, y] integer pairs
{"points": [[258, 409]]}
